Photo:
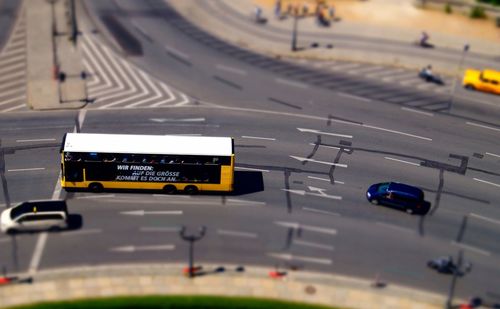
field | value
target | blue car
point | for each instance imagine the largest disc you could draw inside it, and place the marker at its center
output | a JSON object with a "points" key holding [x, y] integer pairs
{"points": [[398, 195]]}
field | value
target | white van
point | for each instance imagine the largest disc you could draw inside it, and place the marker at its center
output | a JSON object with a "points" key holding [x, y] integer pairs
{"points": [[34, 216]]}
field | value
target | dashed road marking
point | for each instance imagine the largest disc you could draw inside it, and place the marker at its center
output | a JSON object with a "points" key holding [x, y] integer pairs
{"points": [[237, 234], [402, 161]]}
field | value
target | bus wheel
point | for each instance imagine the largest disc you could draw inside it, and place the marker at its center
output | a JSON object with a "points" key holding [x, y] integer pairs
{"points": [[96, 187], [191, 190], [169, 189]]}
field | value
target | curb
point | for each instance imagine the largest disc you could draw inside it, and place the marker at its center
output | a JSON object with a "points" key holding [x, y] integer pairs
{"points": [[168, 279]]}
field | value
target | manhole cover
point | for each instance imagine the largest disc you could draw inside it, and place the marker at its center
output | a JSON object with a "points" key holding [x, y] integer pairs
{"points": [[310, 289]]}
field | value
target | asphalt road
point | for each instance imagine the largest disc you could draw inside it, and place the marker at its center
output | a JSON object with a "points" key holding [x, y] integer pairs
{"points": [[277, 122]]}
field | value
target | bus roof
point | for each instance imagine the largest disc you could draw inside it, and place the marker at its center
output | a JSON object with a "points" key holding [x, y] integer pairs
{"points": [[148, 144]]}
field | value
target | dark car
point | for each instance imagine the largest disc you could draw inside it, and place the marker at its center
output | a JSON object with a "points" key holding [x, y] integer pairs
{"points": [[399, 196], [445, 265]]}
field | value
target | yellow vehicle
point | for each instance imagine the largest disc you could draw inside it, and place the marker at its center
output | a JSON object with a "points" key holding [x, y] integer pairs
{"points": [[486, 80], [151, 162]]}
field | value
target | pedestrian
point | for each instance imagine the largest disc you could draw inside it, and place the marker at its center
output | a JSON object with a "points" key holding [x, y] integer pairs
{"points": [[277, 9], [331, 12], [258, 16]]}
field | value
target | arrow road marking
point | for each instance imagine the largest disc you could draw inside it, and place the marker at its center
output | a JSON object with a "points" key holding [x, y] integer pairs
{"points": [[143, 248], [302, 192], [290, 257], [317, 161], [159, 212], [323, 133]]}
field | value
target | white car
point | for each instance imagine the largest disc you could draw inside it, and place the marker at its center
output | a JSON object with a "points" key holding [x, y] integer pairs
{"points": [[34, 216]]}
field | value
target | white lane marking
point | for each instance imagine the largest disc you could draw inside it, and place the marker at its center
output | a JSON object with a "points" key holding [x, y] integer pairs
{"points": [[143, 90], [174, 229], [325, 146], [487, 182], [17, 83], [143, 248], [257, 137], [98, 64], [395, 227], [176, 52], [236, 234], [494, 221], [322, 194], [21, 97], [35, 140], [417, 111], [143, 212], [317, 161], [325, 179], [291, 83], [230, 69], [37, 254], [12, 67], [313, 245], [310, 228], [319, 211], [290, 257], [56, 194], [492, 154], [470, 248], [323, 133], [396, 132], [13, 108], [351, 96], [238, 201], [162, 120], [185, 100], [171, 96], [95, 196], [251, 169], [26, 169], [81, 118], [402, 161], [151, 85], [82, 232], [19, 91], [482, 126], [344, 66]]}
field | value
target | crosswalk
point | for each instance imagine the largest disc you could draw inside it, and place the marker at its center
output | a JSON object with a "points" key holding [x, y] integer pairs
{"points": [[385, 74]]}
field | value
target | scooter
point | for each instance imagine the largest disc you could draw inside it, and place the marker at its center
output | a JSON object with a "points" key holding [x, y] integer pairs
{"points": [[430, 78]]}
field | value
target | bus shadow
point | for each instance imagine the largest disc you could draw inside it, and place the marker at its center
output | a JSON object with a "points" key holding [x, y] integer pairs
{"points": [[246, 182]]}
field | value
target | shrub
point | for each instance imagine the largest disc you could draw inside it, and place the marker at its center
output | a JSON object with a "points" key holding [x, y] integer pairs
{"points": [[477, 12], [447, 8]]}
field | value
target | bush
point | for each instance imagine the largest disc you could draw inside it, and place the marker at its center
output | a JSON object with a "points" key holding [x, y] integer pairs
{"points": [[493, 2], [477, 12], [498, 22], [447, 8]]}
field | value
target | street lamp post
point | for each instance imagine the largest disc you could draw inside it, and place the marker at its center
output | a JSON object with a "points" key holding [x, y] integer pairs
{"points": [[294, 32], [192, 238], [462, 58]]}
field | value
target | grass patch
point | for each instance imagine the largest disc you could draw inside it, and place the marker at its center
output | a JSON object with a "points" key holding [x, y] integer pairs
{"points": [[172, 302]]}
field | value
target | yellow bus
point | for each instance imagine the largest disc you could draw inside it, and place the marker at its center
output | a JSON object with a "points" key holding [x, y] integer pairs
{"points": [[152, 162]]}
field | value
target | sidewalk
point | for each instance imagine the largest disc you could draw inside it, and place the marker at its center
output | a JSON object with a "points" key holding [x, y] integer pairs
{"points": [[167, 279], [374, 31]]}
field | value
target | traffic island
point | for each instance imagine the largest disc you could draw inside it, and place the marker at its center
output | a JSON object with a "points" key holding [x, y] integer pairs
{"points": [[56, 78]]}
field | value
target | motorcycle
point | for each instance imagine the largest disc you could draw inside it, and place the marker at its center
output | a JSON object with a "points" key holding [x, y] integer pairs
{"points": [[430, 77]]}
